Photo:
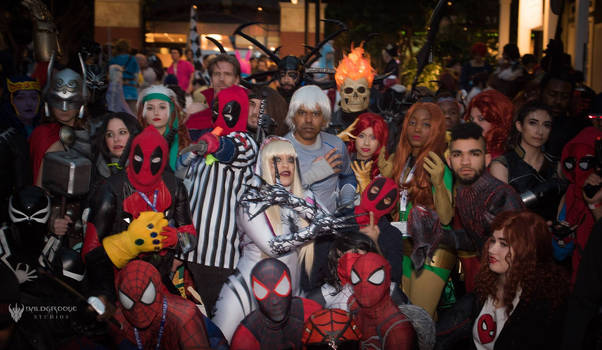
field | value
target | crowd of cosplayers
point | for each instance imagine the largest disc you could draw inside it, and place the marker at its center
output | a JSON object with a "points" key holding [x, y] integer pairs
{"points": [[301, 203]]}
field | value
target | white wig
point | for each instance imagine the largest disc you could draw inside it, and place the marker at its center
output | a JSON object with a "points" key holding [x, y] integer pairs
{"points": [[308, 97], [157, 89]]}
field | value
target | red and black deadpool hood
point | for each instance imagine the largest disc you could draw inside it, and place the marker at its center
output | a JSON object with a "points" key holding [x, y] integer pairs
{"points": [[148, 157], [230, 110], [379, 197]]}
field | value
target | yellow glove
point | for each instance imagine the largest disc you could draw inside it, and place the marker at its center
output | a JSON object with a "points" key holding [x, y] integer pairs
{"points": [[385, 166], [363, 173], [346, 134], [435, 167], [143, 235]]}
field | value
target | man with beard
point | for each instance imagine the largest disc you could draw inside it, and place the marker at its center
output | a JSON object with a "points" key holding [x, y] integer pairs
{"points": [[290, 72], [480, 197]]}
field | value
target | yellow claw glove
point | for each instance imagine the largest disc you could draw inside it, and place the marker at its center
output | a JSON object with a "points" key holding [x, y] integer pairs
{"points": [[346, 134], [143, 235], [362, 174], [385, 166], [435, 167]]}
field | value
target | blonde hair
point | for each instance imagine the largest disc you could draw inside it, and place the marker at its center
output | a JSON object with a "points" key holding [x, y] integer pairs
{"points": [[271, 149]]}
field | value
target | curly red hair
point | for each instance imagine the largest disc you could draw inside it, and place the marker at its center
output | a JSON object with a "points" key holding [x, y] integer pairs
{"points": [[531, 264], [380, 130], [420, 192], [497, 109]]}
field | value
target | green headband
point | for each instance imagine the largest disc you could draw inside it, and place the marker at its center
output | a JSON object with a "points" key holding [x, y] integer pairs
{"points": [[159, 96]]}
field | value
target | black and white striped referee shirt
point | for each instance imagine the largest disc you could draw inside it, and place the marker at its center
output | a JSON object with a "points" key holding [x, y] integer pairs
{"points": [[214, 191]]}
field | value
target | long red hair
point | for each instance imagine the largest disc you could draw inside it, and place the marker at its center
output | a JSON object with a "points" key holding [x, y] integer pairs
{"points": [[497, 109], [420, 192], [531, 264], [380, 130]]}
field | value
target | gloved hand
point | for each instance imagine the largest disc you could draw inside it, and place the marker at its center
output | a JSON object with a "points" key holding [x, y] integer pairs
{"points": [[362, 171], [385, 166], [145, 234], [346, 134], [435, 167], [211, 140]]}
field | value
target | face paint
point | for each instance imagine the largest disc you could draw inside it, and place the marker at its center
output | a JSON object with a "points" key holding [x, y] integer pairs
{"points": [[271, 284], [148, 158], [379, 197], [371, 279]]}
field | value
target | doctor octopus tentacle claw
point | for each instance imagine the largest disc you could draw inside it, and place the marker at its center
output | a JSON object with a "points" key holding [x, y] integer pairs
{"points": [[258, 198]]}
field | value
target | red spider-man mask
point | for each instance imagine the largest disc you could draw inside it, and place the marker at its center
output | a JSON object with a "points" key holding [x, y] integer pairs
{"points": [[231, 109], [371, 279], [578, 156], [148, 157], [379, 197], [139, 289], [271, 283]]}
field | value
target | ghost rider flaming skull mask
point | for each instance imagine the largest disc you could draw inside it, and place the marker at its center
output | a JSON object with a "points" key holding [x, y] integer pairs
{"points": [[354, 76]]}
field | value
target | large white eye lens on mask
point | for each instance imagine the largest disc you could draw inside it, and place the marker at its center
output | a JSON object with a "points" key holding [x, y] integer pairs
{"points": [[355, 279], [148, 297], [377, 277], [125, 301]]}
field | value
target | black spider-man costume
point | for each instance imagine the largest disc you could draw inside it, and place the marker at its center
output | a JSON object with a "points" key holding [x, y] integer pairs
{"points": [[153, 318], [381, 323], [143, 187], [279, 321]]}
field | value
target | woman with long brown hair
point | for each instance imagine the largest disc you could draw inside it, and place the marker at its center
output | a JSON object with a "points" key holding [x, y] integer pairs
{"points": [[425, 203], [519, 286]]}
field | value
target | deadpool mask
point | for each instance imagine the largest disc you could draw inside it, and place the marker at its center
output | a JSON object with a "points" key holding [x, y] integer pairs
{"points": [[230, 110], [139, 290], [379, 197], [371, 279], [271, 283], [148, 157], [578, 156]]}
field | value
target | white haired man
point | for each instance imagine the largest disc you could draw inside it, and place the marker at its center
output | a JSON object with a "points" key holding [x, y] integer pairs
{"points": [[324, 163]]}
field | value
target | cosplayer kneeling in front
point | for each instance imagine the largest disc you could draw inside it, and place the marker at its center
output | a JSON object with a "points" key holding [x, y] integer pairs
{"points": [[424, 204], [215, 172], [381, 323], [277, 164], [158, 106], [151, 317], [520, 288], [130, 216], [278, 323]]}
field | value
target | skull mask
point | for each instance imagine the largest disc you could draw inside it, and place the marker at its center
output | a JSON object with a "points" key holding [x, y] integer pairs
{"points": [[355, 95]]}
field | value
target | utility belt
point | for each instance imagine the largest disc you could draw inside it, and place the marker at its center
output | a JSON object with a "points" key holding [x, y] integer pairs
{"points": [[444, 257]]}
